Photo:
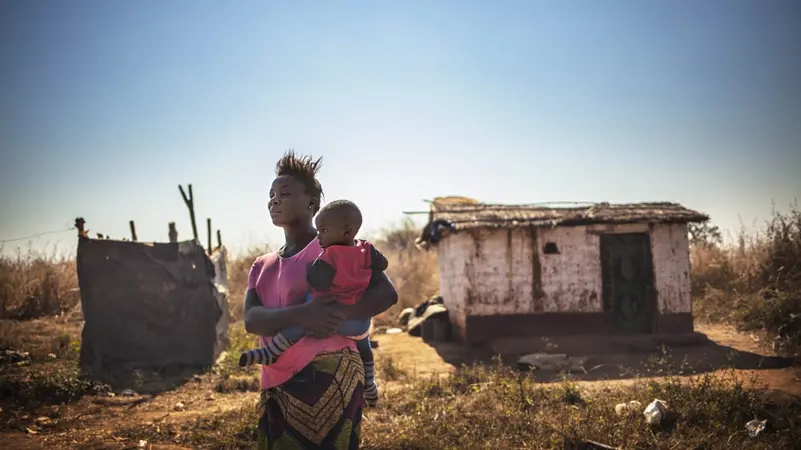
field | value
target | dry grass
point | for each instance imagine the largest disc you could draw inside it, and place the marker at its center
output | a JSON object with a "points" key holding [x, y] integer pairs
{"points": [[41, 337], [34, 286], [232, 377], [238, 270], [755, 283], [414, 272], [490, 407], [495, 407]]}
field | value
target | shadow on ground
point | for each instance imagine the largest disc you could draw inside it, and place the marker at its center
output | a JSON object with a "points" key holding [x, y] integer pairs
{"points": [[630, 363], [35, 386], [148, 381]]}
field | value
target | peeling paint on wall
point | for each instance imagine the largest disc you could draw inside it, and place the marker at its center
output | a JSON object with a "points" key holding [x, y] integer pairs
{"points": [[670, 247], [505, 271], [571, 280]]}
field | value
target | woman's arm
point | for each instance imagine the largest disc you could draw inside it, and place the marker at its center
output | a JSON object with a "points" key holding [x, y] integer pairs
{"points": [[320, 318], [379, 297], [265, 321]]}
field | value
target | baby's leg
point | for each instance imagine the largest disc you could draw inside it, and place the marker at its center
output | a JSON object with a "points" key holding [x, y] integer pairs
{"points": [[370, 386], [359, 330], [355, 328], [275, 348]]}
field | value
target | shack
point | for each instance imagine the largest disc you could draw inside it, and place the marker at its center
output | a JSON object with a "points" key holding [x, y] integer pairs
{"points": [[530, 270], [150, 306]]}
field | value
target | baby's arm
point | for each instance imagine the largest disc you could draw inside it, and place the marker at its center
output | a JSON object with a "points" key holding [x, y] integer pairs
{"points": [[320, 275], [379, 262]]}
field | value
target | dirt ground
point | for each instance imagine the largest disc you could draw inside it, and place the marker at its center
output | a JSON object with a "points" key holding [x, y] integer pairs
{"points": [[729, 352], [101, 421]]}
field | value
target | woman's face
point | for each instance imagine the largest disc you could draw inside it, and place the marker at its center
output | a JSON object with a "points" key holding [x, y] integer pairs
{"points": [[289, 203]]}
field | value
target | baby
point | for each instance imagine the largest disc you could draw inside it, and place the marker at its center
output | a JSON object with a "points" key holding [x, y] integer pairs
{"points": [[342, 271]]}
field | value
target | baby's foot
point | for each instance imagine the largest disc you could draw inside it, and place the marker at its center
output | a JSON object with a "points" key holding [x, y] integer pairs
{"points": [[245, 359]]}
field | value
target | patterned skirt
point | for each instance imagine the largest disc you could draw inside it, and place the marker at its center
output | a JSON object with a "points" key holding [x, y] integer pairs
{"points": [[319, 408]]}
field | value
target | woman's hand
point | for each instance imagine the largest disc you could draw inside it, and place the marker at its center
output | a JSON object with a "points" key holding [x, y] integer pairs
{"points": [[321, 317], [379, 296]]}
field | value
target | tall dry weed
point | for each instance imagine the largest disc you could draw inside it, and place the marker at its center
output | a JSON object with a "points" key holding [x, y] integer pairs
{"points": [[238, 271], [754, 283], [33, 285], [414, 272]]}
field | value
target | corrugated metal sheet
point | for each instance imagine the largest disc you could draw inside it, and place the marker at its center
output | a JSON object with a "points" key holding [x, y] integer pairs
{"points": [[149, 305]]}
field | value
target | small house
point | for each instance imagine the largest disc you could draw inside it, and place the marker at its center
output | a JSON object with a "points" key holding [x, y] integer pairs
{"points": [[527, 270]]}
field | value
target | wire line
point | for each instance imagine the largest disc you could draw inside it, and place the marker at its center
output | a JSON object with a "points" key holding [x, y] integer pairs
{"points": [[44, 233]]}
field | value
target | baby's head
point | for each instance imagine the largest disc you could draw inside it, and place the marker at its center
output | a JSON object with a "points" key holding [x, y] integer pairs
{"points": [[337, 223]]}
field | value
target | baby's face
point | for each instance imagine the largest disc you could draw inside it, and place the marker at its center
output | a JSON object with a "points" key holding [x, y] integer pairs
{"points": [[331, 230]]}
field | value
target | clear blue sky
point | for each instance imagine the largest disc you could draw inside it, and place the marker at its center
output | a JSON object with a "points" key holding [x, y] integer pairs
{"points": [[107, 106]]}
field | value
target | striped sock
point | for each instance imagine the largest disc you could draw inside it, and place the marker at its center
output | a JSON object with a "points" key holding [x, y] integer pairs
{"points": [[267, 354], [370, 386]]}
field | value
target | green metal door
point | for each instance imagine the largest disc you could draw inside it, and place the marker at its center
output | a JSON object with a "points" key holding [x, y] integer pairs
{"points": [[627, 271]]}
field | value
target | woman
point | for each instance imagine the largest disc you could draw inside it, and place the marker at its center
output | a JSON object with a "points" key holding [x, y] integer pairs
{"points": [[320, 407]]}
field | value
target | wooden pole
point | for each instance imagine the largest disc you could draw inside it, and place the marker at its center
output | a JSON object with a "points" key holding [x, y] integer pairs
{"points": [[190, 203], [173, 233], [219, 239], [79, 224], [133, 230], [208, 234]]}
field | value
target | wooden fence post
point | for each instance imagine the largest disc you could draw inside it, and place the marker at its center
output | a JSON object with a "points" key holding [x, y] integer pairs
{"points": [[173, 233], [190, 203], [133, 230], [208, 234], [79, 224]]}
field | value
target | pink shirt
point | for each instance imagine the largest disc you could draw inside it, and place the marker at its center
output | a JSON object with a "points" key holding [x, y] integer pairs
{"points": [[282, 282]]}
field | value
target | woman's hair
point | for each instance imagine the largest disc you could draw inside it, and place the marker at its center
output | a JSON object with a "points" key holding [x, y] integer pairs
{"points": [[304, 169]]}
